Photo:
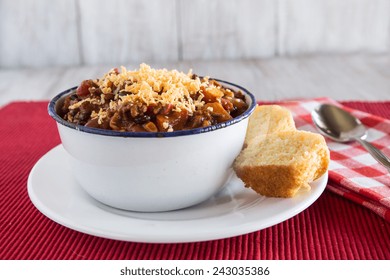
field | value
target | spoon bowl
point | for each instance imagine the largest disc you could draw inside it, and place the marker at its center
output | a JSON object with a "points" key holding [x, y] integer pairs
{"points": [[339, 125]]}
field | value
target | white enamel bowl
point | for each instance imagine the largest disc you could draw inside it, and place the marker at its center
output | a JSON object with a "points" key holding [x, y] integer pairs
{"points": [[152, 172]]}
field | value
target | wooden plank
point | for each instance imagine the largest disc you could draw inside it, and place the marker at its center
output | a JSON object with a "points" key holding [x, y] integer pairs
{"points": [[337, 77], [333, 26], [27, 84], [123, 31], [233, 29], [38, 33], [354, 77], [96, 32]]}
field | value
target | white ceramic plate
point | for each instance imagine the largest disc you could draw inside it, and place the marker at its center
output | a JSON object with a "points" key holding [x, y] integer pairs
{"points": [[233, 211]]}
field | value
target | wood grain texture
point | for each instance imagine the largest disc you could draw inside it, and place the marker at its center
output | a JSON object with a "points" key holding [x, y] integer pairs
{"points": [[353, 77], [44, 33], [232, 29], [121, 31], [38, 33], [333, 26], [337, 77]]}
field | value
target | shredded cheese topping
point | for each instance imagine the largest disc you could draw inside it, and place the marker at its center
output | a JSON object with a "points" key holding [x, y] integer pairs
{"points": [[154, 86], [138, 97]]}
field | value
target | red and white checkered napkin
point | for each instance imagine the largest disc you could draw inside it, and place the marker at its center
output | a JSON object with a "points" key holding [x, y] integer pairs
{"points": [[353, 172]]}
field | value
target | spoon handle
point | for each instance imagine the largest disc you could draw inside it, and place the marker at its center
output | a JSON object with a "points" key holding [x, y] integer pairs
{"points": [[376, 153]]}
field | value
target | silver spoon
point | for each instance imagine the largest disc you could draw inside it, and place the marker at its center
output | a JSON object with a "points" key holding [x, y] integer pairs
{"points": [[341, 126]]}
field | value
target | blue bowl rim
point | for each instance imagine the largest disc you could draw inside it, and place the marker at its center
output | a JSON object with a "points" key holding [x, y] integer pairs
{"points": [[106, 132]]}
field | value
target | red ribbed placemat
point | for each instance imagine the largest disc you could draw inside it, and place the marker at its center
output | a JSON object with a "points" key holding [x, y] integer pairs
{"points": [[332, 228]]}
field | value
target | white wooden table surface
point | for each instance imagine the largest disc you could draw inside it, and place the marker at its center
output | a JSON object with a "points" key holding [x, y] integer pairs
{"points": [[353, 77]]}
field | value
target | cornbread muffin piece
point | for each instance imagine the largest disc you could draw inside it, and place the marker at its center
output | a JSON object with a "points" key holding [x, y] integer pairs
{"points": [[282, 163], [267, 119]]}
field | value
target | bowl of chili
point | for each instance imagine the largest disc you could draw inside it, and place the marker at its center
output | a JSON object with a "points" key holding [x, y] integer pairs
{"points": [[152, 140]]}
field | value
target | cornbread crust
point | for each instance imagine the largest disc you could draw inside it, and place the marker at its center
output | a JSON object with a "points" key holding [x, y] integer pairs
{"points": [[279, 164], [285, 180]]}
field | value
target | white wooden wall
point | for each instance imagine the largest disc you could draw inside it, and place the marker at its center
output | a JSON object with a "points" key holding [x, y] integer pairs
{"points": [[38, 33]]}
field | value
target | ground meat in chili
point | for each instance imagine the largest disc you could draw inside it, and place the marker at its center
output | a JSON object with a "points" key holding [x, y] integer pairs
{"points": [[151, 100]]}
